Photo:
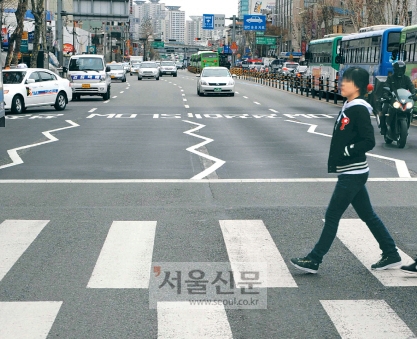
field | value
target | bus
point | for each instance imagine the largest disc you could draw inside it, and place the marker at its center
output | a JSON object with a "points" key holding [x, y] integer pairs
{"points": [[408, 51], [371, 49], [204, 59], [408, 54], [321, 57]]}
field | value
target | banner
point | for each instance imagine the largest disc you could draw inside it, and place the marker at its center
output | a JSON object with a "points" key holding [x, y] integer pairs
{"points": [[261, 6]]}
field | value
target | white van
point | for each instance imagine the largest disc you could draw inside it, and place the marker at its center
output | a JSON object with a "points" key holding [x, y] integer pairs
{"points": [[88, 75]]}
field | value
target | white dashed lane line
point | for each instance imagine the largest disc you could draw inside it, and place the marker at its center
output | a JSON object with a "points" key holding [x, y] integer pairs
{"points": [[257, 103], [274, 111], [186, 106], [92, 110], [122, 91], [114, 97], [245, 97]]}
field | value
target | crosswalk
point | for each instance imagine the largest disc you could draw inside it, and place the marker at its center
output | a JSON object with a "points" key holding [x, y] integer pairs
{"points": [[125, 262]]}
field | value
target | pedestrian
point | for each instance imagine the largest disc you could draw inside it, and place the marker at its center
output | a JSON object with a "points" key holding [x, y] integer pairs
{"points": [[353, 136]]}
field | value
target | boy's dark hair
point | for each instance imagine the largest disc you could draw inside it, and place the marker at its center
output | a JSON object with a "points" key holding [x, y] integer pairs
{"points": [[359, 76]]}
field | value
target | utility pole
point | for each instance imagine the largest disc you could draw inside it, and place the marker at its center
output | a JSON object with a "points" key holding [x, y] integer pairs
{"points": [[59, 34], [234, 37]]}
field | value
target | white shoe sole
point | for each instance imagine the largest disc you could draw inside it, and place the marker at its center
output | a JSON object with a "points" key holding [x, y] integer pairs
{"points": [[309, 270], [395, 264], [409, 272]]}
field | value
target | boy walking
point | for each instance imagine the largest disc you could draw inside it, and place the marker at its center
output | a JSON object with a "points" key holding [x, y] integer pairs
{"points": [[353, 136]]}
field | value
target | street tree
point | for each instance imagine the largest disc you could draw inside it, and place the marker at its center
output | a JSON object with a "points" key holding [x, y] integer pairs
{"points": [[38, 12], [16, 38]]}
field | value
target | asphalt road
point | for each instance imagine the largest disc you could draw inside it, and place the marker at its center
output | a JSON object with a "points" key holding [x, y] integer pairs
{"points": [[160, 175]]}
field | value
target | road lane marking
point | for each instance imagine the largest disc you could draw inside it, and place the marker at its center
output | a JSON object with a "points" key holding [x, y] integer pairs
{"points": [[357, 237], [192, 181], [126, 257], [184, 99], [401, 165], [183, 95], [273, 110], [193, 149], [114, 97], [249, 243], [15, 237], [366, 319], [27, 319], [185, 321], [122, 91], [186, 106], [92, 110], [105, 102], [17, 160], [257, 103], [245, 97]]}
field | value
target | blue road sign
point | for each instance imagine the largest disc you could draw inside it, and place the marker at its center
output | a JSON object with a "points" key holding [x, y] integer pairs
{"points": [[254, 22], [208, 21]]}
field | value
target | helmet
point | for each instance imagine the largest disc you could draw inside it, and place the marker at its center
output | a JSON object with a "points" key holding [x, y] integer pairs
{"points": [[399, 68]]}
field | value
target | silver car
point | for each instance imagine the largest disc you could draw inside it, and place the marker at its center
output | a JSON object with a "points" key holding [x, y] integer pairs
{"points": [[148, 69], [216, 80], [117, 72], [168, 68], [134, 68]]}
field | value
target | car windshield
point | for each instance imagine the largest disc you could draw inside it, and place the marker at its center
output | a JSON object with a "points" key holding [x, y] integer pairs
{"points": [[215, 73], [86, 64], [167, 63], [292, 66], [151, 65], [135, 65], [13, 77], [116, 67]]}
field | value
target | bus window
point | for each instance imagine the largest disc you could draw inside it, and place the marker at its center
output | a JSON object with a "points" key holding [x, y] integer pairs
{"points": [[393, 41]]}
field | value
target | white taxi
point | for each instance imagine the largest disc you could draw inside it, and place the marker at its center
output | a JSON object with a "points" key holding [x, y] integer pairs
{"points": [[33, 87]]}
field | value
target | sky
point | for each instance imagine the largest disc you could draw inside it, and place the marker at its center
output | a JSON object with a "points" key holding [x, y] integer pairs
{"points": [[200, 7]]}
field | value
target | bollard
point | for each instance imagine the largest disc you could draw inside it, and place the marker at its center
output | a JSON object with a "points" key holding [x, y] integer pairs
{"points": [[313, 88], [335, 90], [320, 88], [327, 89]]}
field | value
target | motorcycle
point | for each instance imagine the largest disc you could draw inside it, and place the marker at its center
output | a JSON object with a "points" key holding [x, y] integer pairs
{"points": [[399, 116]]}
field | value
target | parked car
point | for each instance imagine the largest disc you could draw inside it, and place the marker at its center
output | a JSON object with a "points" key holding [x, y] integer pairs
{"points": [[168, 68], [216, 80], [148, 69], [256, 66], [33, 87]]}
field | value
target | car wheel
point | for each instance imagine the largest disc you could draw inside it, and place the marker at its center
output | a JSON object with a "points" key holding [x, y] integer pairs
{"points": [[18, 105], [60, 102], [175, 75], [157, 78], [106, 96], [130, 74], [160, 75], [199, 93], [232, 94], [139, 78]]}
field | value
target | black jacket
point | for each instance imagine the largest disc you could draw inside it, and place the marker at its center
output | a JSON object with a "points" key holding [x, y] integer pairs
{"points": [[353, 136], [404, 81]]}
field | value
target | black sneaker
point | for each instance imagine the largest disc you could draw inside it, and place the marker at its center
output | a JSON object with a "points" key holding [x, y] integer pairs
{"points": [[410, 269], [387, 262], [305, 264]]}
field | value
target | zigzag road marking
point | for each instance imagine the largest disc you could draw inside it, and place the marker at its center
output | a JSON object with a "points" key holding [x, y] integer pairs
{"points": [[401, 166], [193, 149], [18, 160]]}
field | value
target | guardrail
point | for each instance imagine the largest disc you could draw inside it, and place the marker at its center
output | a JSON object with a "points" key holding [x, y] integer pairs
{"points": [[322, 88]]}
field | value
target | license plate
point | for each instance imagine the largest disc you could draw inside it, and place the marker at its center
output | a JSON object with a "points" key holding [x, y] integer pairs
{"points": [[112, 76], [85, 86], [168, 72], [217, 89]]}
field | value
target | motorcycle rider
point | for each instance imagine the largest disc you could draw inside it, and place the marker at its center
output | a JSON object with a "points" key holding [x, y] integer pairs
{"points": [[395, 81]]}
